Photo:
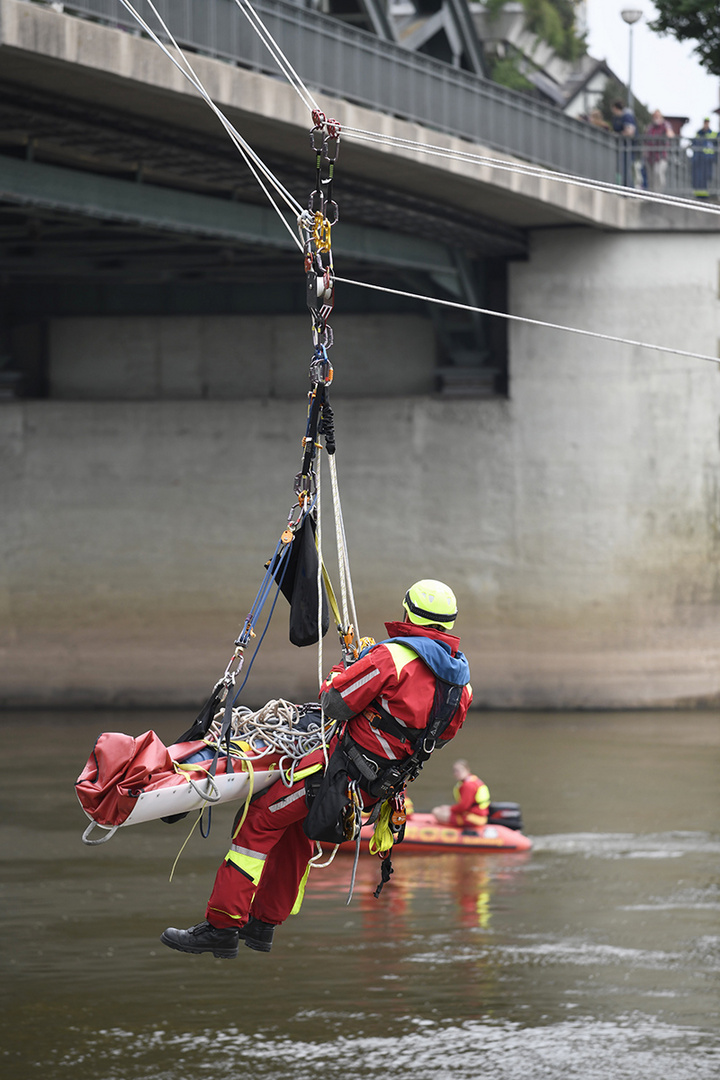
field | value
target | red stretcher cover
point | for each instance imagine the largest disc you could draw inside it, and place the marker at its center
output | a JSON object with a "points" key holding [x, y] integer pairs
{"points": [[121, 769]]}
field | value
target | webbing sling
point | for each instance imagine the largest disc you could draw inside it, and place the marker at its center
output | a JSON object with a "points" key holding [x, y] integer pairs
{"points": [[381, 782]]}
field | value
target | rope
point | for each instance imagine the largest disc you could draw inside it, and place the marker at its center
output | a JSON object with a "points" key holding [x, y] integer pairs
{"points": [[185, 844], [248, 798], [362, 134], [319, 576], [269, 731], [499, 164], [277, 54], [320, 854], [251, 158], [538, 171], [343, 557], [532, 322]]}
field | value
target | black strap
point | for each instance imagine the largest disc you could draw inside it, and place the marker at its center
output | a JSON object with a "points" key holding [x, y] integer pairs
{"points": [[365, 765], [383, 778], [204, 718], [380, 718]]}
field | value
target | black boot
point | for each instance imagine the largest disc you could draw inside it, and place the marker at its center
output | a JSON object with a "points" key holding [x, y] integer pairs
{"points": [[257, 935], [202, 938]]}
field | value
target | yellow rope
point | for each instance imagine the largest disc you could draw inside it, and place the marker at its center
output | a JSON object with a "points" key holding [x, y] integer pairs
{"points": [[382, 839], [251, 785], [197, 765], [187, 838]]}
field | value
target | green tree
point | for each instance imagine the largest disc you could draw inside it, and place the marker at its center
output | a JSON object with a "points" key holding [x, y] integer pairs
{"points": [[507, 72], [553, 21], [692, 20]]}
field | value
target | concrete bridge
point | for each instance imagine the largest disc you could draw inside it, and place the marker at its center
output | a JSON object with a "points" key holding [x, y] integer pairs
{"points": [[156, 353]]}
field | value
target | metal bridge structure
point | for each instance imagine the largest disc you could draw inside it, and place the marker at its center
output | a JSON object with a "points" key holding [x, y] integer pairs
{"points": [[119, 191]]}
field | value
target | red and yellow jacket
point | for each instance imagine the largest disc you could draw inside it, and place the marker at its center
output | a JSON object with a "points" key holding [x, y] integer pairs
{"points": [[394, 676], [472, 800]]}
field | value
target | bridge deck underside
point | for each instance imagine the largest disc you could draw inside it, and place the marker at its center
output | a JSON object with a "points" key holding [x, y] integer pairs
{"points": [[45, 241]]}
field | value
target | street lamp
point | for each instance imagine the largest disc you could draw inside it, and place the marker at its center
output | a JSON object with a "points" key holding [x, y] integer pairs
{"points": [[630, 16]]}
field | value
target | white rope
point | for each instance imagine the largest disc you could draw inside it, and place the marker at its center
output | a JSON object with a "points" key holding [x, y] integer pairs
{"points": [[271, 730], [339, 540], [277, 54], [320, 855], [191, 75], [343, 555], [379, 138], [318, 538], [531, 322], [523, 169], [253, 161]]}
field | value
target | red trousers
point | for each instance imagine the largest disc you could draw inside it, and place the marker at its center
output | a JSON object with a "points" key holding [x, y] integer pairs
{"points": [[268, 858]]}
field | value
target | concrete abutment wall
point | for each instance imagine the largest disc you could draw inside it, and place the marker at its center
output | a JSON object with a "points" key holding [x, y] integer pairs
{"points": [[578, 521]]}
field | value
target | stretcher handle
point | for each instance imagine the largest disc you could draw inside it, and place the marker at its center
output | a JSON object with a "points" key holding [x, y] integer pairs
{"points": [[109, 831], [212, 795]]}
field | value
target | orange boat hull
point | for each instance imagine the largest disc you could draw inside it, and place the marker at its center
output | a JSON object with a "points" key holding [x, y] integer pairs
{"points": [[423, 835]]}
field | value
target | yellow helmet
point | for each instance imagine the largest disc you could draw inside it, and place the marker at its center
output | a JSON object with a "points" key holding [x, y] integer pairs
{"points": [[431, 603]]}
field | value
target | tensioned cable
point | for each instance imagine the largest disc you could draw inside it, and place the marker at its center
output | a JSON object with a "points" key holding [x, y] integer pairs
{"points": [[500, 164], [523, 169], [190, 74], [318, 541], [532, 170], [531, 322], [251, 158], [277, 54], [341, 540]]}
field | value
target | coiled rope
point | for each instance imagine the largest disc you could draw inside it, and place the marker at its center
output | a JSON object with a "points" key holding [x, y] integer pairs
{"points": [[269, 731]]}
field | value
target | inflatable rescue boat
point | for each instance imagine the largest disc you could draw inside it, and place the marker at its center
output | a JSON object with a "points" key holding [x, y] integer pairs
{"points": [[425, 835]]}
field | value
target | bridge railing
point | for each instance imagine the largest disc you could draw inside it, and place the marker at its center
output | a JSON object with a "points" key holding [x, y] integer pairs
{"points": [[677, 166], [340, 60]]}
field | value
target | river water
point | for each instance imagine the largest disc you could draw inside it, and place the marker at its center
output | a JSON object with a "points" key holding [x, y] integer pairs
{"points": [[596, 956]]}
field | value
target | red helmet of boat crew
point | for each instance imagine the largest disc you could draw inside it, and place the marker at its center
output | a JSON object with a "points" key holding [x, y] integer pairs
{"points": [[431, 603]]}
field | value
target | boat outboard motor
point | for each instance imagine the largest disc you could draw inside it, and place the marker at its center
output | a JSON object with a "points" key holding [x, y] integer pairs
{"points": [[505, 813]]}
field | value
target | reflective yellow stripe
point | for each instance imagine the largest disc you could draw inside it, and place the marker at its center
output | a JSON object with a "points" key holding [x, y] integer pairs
{"points": [[302, 773], [250, 862], [401, 655], [301, 892]]}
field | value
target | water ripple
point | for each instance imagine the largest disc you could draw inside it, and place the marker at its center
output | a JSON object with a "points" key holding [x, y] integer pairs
{"points": [[669, 845], [578, 1049]]}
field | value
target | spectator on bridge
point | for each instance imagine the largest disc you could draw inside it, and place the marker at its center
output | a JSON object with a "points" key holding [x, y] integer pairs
{"points": [[597, 119], [625, 127], [656, 144], [705, 149]]}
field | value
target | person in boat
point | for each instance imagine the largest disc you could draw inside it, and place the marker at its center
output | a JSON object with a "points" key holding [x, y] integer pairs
{"points": [[472, 800], [390, 691]]}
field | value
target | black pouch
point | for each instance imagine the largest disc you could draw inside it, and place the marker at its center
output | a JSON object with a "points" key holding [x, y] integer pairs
{"points": [[298, 580], [331, 805]]}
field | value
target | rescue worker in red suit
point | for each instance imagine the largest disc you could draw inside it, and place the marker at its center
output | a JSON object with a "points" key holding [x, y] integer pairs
{"points": [[472, 800], [262, 878]]}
